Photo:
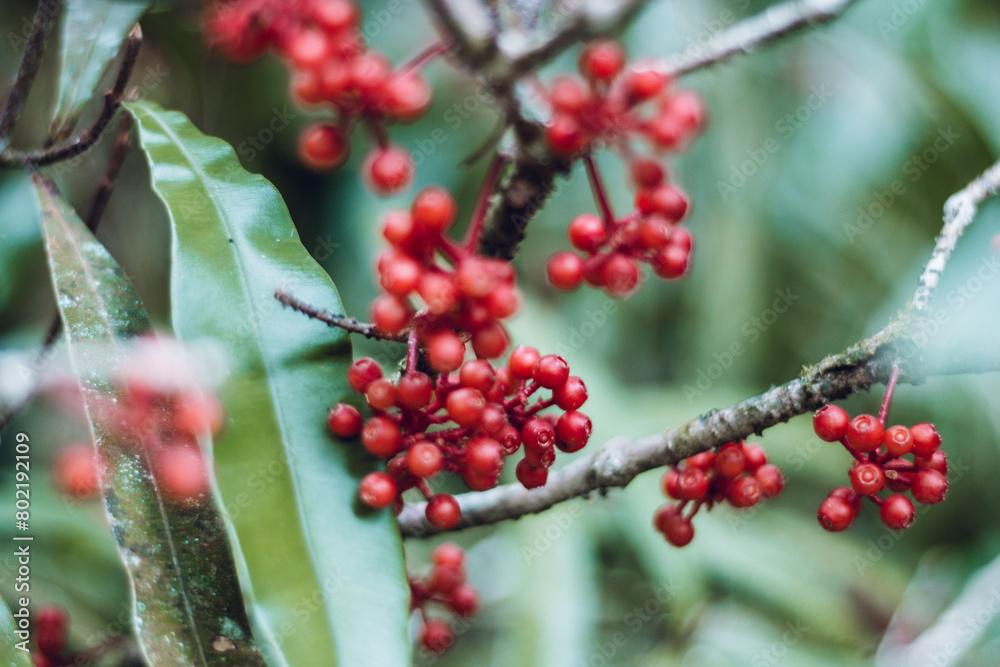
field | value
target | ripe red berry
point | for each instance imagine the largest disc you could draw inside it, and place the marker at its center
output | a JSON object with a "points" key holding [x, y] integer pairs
{"points": [[529, 476], [448, 554], [181, 472], [390, 314], [443, 511], [503, 301], [433, 211], [567, 95], [864, 433], [362, 372], [509, 439], [665, 200], [753, 457], [675, 528], [770, 479], [490, 341], [465, 406], [345, 420], [445, 351], [378, 490], [574, 429], [540, 458], [406, 96], [538, 434], [830, 423], [897, 512], [323, 146], [620, 275], [415, 390], [477, 374], [436, 636], [381, 394], [446, 578], [929, 487], [424, 459], [399, 274], [852, 497], [729, 460], [835, 514], [686, 106], [522, 362], [389, 170], [867, 478], [551, 371], [653, 233], [602, 60], [571, 395], [643, 83], [744, 491], [938, 460], [474, 277], [483, 457], [898, 441], [465, 601], [587, 232], [925, 439], [335, 15], [564, 270], [438, 291], [77, 471], [308, 48], [564, 135], [647, 173], [51, 627], [382, 437], [671, 262], [692, 484]]}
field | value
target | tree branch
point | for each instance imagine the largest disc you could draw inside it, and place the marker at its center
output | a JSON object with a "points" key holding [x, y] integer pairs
{"points": [[331, 319], [959, 211], [31, 60]]}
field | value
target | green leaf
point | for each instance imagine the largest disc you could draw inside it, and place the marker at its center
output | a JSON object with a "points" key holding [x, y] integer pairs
{"points": [[92, 34], [9, 653], [328, 577], [188, 609]]}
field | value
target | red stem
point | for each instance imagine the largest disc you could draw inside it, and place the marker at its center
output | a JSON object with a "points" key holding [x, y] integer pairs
{"points": [[424, 489], [412, 344], [597, 187], [890, 389], [483, 203], [855, 453], [428, 54]]}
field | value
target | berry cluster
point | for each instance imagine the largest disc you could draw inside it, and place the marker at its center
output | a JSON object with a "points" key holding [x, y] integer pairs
{"points": [[331, 65], [468, 293], [444, 585], [737, 472], [465, 422], [51, 633], [878, 465], [607, 106], [77, 471]]}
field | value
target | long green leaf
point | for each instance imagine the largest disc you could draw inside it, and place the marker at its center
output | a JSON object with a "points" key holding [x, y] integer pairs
{"points": [[328, 578], [10, 654], [188, 609], [92, 34]]}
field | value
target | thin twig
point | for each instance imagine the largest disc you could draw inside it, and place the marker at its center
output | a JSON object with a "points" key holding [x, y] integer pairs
{"points": [[469, 27], [31, 60], [959, 211], [112, 100], [890, 390], [331, 319]]}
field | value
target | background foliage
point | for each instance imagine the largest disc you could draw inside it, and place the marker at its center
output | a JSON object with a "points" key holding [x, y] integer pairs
{"points": [[590, 582]]}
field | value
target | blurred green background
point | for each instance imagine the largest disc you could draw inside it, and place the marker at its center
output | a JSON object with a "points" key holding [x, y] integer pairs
{"points": [[901, 92]]}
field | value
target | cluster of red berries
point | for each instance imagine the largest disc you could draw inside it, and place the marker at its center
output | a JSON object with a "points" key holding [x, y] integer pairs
{"points": [[411, 426], [879, 465], [614, 248], [737, 473], [51, 633], [471, 295], [607, 106], [331, 65], [445, 586]]}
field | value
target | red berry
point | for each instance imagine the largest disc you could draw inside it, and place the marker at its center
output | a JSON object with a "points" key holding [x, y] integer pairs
{"points": [[381, 394], [362, 372], [567, 95], [490, 341], [666, 200], [436, 636], [929, 487], [390, 314], [744, 491], [181, 472], [382, 437], [445, 351], [669, 483], [647, 173], [574, 429], [448, 554], [443, 511], [503, 301], [424, 459], [867, 478], [397, 228], [835, 514], [309, 48], [686, 106], [551, 371], [830, 423], [406, 97], [323, 146], [477, 374], [369, 74], [571, 395], [620, 275], [897, 512], [415, 390], [564, 270], [898, 440], [522, 362], [389, 170], [465, 601], [483, 457], [864, 433], [671, 262], [51, 629], [378, 490], [643, 84], [541, 457], [446, 578], [753, 457], [692, 484], [509, 439], [938, 460], [925, 439], [335, 15], [675, 528], [602, 60], [587, 232], [529, 476], [666, 131], [770, 479], [538, 434], [77, 471], [729, 461], [703, 460], [653, 233], [564, 135], [438, 291], [400, 274], [345, 420], [852, 497], [433, 211], [465, 406]]}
